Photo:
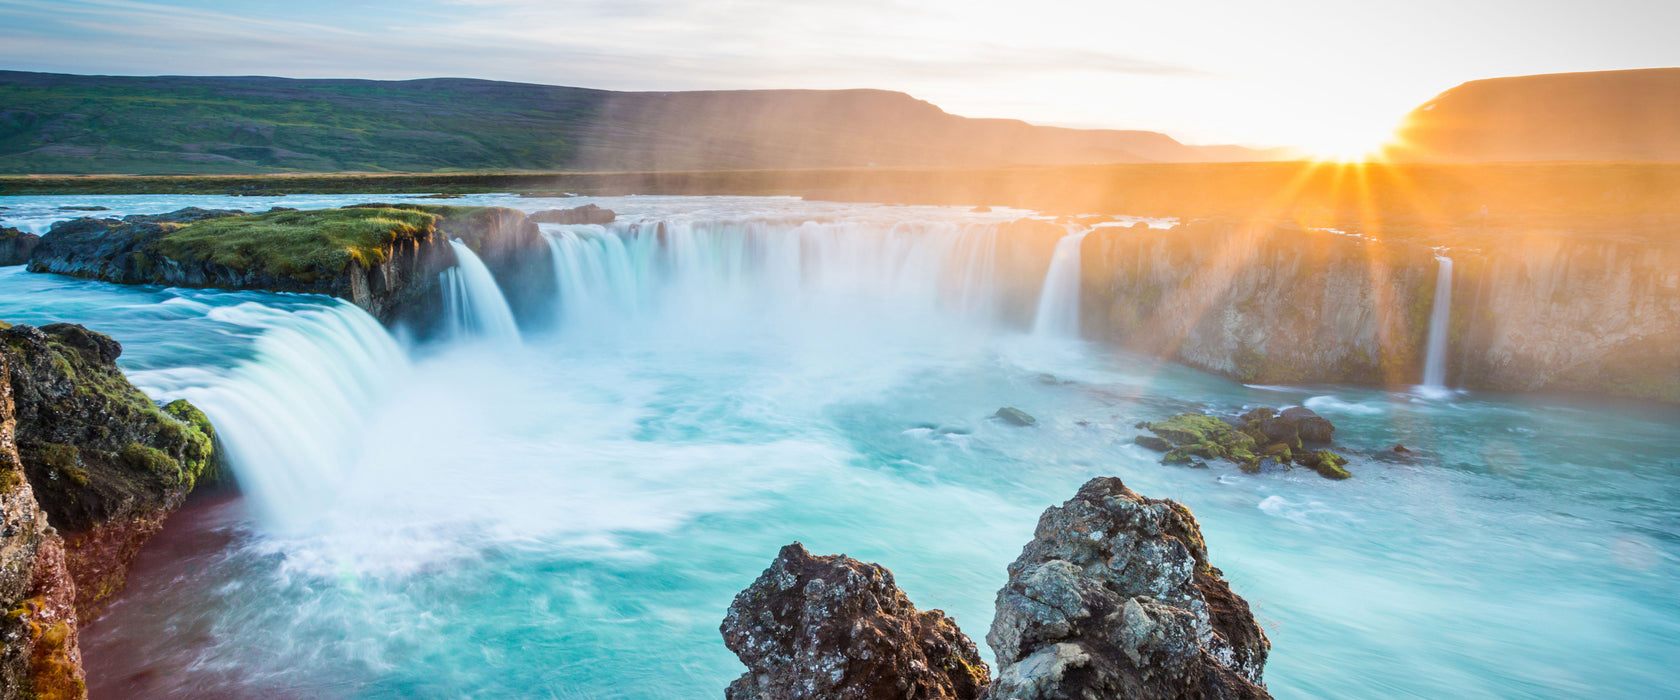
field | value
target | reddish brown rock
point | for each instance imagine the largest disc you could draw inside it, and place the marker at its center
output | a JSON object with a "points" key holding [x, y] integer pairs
{"points": [[834, 628]]}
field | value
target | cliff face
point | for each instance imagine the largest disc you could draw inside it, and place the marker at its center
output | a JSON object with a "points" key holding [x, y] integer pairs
{"points": [[1261, 304], [41, 657], [1280, 304], [383, 258], [105, 463], [1552, 312]]}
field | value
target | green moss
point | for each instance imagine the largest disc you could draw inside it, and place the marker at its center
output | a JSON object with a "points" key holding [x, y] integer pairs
{"points": [[151, 460], [1329, 465], [1198, 435], [301, 244], [198, 436]]}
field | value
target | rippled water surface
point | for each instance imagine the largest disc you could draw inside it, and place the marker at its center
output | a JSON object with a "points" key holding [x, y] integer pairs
{"points": [[568, 515]]}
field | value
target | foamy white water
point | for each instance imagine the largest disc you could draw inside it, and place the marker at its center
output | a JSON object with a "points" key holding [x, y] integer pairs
{"points": [[1058, 303], [570, 516], [474, 307]]}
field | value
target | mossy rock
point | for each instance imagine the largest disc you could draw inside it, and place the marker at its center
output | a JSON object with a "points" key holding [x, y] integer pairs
{"points": [[1328, 464], [1153, 443], [305, 245]]}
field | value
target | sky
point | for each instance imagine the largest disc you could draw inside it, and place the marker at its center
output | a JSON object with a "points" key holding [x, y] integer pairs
{"points": [[1331, 76]]}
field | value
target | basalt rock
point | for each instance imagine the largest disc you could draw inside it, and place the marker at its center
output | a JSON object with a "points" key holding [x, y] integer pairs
{"points": [[1014, 416], [16, 246], [41, 656], [1115, 598], [104, 462], [834, 628], [586, 214], [393, 275]]}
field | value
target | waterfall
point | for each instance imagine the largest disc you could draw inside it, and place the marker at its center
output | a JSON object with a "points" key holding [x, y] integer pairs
{"points": [[771, 269], [1440, 314], [473, 304], [291, 418], [1058, 303]]}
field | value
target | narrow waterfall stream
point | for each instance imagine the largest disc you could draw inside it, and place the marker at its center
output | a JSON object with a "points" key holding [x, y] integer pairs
{"points": [[473, 305], [1058, 303], [568, 511], [1440, 318]]}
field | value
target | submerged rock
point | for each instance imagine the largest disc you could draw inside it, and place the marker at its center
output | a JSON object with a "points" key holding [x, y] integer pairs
{"points": [[832, 627], [1115, 598], [105, 463], [1014, 416], [586, 214]]}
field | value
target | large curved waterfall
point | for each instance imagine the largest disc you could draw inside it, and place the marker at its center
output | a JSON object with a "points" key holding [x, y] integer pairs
{"points": [[771, 270], [569, 515]]}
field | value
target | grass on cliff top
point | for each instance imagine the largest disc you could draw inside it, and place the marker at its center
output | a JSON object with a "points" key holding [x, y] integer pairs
{"points": [[297, 243]]}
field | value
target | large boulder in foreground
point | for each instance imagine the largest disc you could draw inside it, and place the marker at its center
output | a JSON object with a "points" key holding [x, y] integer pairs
{"points": [[1115, 598], [106, 464], [835, 628]]}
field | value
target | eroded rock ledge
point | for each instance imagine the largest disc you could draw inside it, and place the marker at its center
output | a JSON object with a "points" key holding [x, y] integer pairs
{"points": [[384, 258], [1114, 597]]}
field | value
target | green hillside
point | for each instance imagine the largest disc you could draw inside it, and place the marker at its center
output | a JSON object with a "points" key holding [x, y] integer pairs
{"points": [[69, 124]]}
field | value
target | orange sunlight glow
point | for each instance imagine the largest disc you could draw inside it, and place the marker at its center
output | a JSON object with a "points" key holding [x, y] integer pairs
{"points": [[1348, 142]]}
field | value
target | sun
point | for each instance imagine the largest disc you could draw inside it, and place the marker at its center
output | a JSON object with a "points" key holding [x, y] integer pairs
{"points": [[1347, 142]]}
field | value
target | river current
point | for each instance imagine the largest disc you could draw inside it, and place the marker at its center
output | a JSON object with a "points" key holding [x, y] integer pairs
{"points": [[566, 510]]}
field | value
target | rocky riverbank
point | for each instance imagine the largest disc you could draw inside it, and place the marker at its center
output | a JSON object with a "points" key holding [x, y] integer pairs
{"points": [[383, 258], [1114, 597], [89, 470]]}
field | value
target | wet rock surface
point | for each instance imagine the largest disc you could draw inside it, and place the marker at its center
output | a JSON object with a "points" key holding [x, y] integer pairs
{"points": [[832, 627], [41, 657], [104, 462], [16, 246], [1114, 598], [1261, 440]]}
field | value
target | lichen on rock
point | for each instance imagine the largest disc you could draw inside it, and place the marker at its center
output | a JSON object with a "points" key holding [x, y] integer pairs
{"points": [[835, 628], [1115, 598]]}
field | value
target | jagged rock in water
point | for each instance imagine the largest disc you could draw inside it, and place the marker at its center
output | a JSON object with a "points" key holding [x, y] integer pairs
{"points": [[16, 246], [834, 628], [1014, 416], [104, 462], [42, 656], [1115, 598], [586, 214], [1309, 425]]}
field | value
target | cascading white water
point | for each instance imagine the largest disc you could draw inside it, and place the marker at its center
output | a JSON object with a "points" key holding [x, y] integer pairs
{"points": [[607, 275], [1440, 315], [473, 305], [291, 417], [1058, 303]]}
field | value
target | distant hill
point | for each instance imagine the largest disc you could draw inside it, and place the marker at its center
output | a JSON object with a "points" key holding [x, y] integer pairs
{"points": [[53, 123], [1614, 115]]}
